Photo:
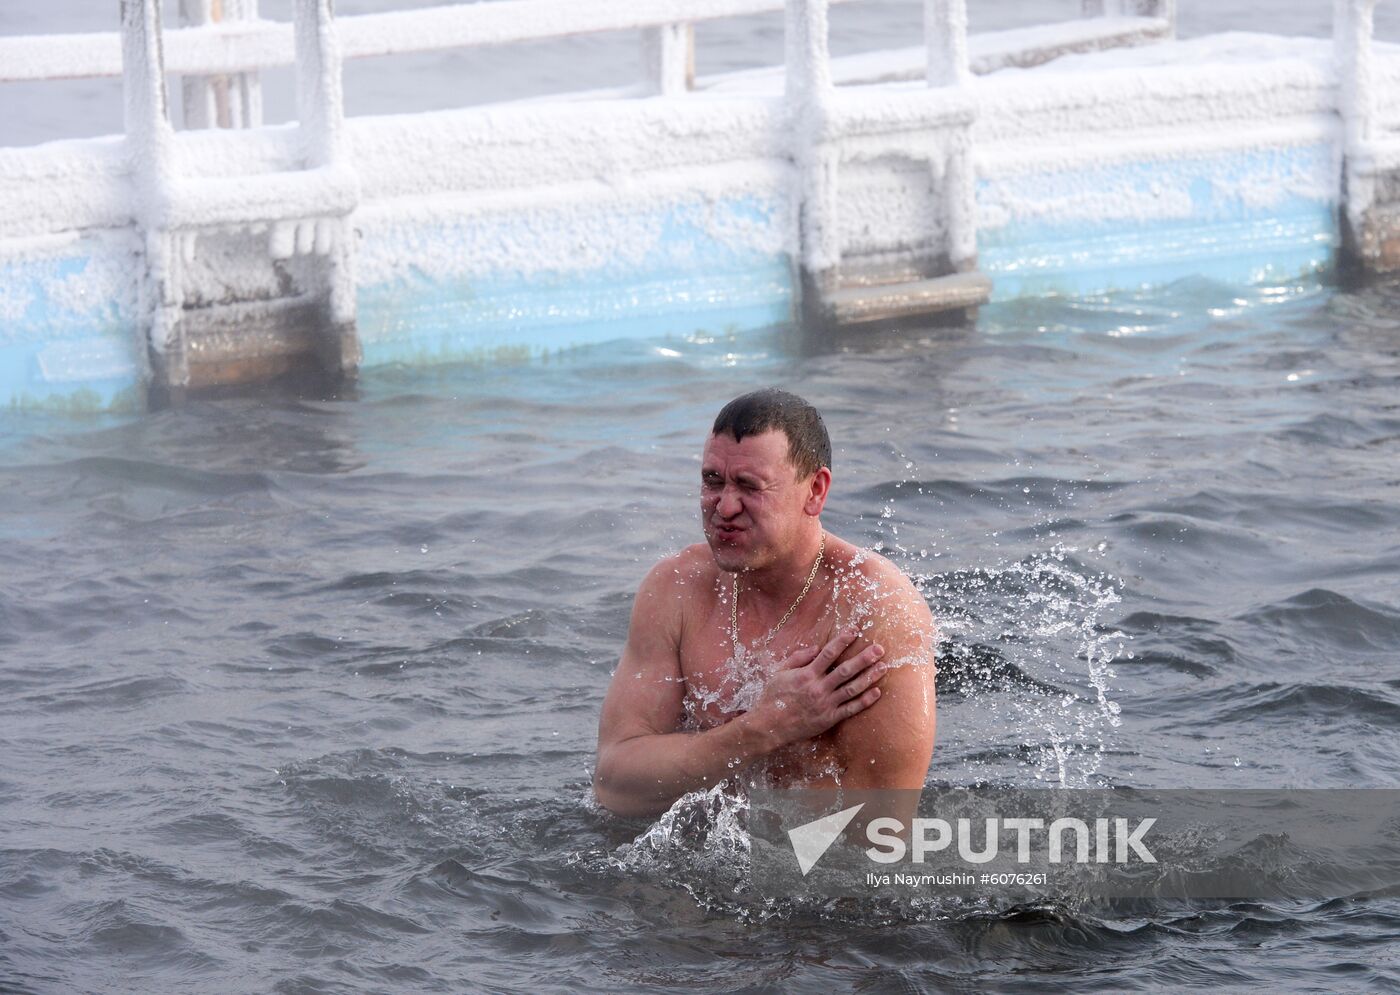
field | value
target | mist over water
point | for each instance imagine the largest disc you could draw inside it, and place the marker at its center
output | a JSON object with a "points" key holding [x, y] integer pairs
{"points": [[300, 694]]}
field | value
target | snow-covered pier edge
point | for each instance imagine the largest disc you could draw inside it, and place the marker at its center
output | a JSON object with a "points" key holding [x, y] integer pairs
{"points": [[1054, 160]]}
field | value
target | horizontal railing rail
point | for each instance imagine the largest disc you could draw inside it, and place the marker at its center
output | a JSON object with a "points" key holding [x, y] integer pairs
{"points": [[251, 45], [246, 46]]}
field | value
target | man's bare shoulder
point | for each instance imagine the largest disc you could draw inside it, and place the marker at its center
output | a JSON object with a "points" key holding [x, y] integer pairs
{"points": [[676, 582], [877, 593], [692, 568]]}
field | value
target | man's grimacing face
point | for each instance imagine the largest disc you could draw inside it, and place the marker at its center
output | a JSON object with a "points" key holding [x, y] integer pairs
{"points": [[751, 502]]}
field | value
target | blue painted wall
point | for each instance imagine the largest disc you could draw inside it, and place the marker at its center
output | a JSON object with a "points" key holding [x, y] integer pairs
{"points": [[1258, 216], [68, 329], [685, 278]]}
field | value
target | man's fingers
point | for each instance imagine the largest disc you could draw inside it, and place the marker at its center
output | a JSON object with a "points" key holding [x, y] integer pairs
{"points": [[832, 650], [854, 666], [800, 657], [854, 688], [858, 705]]}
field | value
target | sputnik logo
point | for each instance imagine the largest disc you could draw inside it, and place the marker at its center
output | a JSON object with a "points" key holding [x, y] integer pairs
{"points": [[812, 839]]}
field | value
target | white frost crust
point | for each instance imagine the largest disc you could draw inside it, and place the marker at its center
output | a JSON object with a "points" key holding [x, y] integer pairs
{"points": [[586, 184], [574, 227], [85, 185], [498, 149]]}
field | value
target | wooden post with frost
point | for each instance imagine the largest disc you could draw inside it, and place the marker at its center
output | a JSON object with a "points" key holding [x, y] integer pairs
{"points": [[668, 55], [148, 142]]}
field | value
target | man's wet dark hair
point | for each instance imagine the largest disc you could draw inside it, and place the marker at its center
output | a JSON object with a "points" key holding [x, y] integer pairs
{"points": [[809, 447]]}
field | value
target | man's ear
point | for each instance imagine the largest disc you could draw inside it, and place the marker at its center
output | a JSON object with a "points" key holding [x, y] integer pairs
{"points": [[819, 486]]}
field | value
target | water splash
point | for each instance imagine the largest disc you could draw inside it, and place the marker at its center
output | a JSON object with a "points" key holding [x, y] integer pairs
{"points": [[741, 681], [1032, 628], [701, 845]]}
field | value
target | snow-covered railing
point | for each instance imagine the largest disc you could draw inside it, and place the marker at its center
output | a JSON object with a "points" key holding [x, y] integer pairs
{"points": [[234, 250], [248, 45], [218, 61], [243, 43]]}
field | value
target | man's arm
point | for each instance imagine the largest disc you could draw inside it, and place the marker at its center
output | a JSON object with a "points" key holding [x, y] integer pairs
{"points": [[891, 745], [644, 764]]}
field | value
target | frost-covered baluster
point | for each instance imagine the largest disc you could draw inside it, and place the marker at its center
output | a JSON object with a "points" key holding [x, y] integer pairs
{"points": [[1352, 30], [148, 139], [321, 107], [221, 101], [245, 89], [808, 88], [945, 27], [1164, 9], [806, 52], [148, 132], [320, 101], [668, 52], [945, 31], [960, 203], [200, 94]]}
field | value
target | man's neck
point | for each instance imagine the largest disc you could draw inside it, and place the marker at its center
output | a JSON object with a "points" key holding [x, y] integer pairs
{"points": [[778, 584]]}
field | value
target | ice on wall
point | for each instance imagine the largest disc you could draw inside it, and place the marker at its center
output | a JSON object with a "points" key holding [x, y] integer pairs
{"points": [[68, 286]]}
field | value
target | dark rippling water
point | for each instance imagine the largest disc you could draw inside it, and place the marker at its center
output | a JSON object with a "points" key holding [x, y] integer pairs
{"points": [[299, 695]]}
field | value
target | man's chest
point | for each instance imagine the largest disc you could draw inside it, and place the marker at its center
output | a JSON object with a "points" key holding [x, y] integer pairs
{"points": [[723, 678]]}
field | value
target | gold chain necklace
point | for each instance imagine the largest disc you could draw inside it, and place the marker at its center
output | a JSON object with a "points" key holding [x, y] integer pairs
{"points": [[734, 600]]}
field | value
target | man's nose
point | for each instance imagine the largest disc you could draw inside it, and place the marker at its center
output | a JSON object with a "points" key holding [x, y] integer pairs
{"points": [[729, 504]]}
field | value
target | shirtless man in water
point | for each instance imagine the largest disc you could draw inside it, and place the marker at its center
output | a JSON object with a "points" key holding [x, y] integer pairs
{"points": [[773, 647]]}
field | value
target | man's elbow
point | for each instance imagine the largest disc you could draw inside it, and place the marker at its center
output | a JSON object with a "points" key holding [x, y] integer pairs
{"points": [[604, 794], [615, 799], [624, 805]]}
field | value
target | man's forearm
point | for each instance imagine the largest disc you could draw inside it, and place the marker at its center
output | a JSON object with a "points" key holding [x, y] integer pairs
{"points": [[645, 774]]}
